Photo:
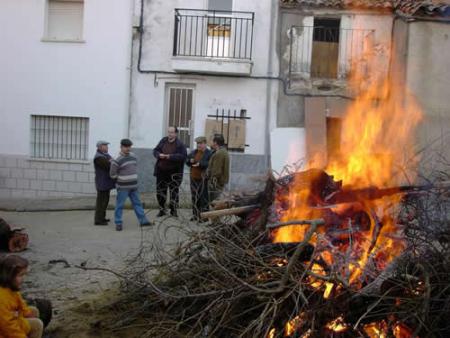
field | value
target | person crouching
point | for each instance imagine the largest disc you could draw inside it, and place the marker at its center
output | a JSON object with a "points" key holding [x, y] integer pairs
{"points": [[17, 319]]}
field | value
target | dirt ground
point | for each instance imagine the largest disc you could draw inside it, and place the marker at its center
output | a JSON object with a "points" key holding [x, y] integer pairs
{"points": [[70, 236]]}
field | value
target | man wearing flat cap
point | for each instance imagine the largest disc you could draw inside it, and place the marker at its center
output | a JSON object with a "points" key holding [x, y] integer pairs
{"points": [[103, 182], [170, 154], [198, 160], [124, 171]]}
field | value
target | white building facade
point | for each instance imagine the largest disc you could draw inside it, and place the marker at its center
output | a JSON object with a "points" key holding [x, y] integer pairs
{"points": [[200, 61], [65, 83]]}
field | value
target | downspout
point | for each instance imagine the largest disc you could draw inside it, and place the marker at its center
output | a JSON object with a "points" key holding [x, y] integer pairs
{"points": [[404, 58], [269, 83], [130, 84]]}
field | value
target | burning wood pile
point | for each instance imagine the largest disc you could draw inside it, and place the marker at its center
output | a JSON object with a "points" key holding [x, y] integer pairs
{"points": [[312, 259], [355, 250]]}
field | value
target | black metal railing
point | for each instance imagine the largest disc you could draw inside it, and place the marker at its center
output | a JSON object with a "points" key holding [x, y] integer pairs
{"points": [[231, 123], [216, 34], [324, 52]]}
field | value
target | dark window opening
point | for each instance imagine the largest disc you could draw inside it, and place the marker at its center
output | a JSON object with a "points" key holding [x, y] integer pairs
{"points": [[334, 128], [325, 51], [326, 30]]}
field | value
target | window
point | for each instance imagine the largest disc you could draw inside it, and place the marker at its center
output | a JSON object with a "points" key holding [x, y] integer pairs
{"points": [[325, 48], [180, 111], [65, 20], [220, 5], [59, 137], [219, 27]]}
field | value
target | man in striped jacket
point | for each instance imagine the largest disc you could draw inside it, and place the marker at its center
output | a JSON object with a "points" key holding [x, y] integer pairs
{"points": [[124, 171]]}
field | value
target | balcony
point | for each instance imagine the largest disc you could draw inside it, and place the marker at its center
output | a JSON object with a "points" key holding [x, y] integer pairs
{"points": [[213, 42], [324, 56]]}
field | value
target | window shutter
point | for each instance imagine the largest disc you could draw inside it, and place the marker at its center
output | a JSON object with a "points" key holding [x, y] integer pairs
{"points": [[65, 20]]}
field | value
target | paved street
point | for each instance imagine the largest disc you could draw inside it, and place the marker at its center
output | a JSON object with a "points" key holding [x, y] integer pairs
{"points": [[71, 236]]}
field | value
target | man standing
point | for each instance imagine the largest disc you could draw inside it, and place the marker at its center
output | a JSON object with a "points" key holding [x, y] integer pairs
{"points": [[103, 182], [170, 154], [198, 161], [219, 167], [124, 171]]}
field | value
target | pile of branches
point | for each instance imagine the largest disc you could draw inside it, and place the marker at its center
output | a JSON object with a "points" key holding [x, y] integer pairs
{"points": [[228, 280]]}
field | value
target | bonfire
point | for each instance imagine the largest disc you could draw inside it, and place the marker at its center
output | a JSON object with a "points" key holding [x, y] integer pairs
{"points": [[357, 248]]}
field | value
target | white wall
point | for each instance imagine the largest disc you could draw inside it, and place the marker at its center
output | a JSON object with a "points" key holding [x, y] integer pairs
{"points": [[428, 80], [89, 79], [148, 107]]}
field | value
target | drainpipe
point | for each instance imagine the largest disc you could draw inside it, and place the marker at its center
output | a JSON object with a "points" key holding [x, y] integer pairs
{"points": [[130, 84], [269, 83], [404, 58]]}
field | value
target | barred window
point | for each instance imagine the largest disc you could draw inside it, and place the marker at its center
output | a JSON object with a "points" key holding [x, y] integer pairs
{"points": [[59, 137]]}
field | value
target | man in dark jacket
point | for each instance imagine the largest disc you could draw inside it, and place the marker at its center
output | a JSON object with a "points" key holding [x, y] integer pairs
{"points": [[198, 161], [170, 154], [103, 182]]}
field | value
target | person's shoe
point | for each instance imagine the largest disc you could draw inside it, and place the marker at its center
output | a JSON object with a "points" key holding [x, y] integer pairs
{"points": [[147, 224], [101, 223], [194, 218], [174, 213], [161, 213], [106, 220], [118, 227]]}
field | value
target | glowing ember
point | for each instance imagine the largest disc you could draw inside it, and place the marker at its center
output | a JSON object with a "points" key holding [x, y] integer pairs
{"points": [[294, 324], [272, 333], [328, 289], [376, 330], [402, 331], [337, 325], [280, 262]]}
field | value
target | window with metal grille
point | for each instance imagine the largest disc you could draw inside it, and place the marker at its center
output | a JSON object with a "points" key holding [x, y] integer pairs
{"points": [[59, 137], [65, 19], [180, 112]]}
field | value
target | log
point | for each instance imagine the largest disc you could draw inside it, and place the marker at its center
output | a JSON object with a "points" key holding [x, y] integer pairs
{"points": [[237, 201], [230, 211]]}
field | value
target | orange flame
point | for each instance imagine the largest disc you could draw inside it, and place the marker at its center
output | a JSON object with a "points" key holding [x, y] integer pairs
{"points": [[376, 145]]}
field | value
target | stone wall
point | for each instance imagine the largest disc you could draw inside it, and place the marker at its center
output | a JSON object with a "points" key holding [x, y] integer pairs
{"points": [[21, 177]]}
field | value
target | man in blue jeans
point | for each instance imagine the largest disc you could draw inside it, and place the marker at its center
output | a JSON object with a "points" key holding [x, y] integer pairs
{"points": [[124, 171]]}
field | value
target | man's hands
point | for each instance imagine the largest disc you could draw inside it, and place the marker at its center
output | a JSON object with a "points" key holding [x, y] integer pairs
{"points": [[164, 156]]}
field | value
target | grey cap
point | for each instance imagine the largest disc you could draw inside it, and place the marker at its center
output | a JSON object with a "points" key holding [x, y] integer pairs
{"points": [[126, 142], [200, 139], [101, 143]]}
